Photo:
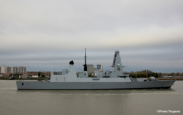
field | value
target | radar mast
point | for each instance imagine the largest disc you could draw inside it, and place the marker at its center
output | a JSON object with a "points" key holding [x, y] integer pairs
{"points": [[85, 65]]}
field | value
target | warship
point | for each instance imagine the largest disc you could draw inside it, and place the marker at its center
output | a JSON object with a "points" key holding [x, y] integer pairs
{"points": [[115, 79]]}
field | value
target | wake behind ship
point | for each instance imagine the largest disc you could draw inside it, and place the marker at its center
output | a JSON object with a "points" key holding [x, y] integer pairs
{"points": [[116, 79]]}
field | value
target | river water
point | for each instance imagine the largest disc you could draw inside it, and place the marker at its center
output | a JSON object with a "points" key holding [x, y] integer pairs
{"points": [[89, 102]]}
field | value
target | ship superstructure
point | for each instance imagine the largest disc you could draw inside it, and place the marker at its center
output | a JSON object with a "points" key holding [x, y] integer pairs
{"points": [[116, 79]]}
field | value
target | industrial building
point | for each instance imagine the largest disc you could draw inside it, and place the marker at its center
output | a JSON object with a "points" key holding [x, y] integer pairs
{"points": [[3, 69], [90, 68], [99, 66], [17, 69]]}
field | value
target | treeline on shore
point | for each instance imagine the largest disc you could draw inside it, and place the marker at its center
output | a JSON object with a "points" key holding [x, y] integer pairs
{"points": [[148, 73], [137, 74]]}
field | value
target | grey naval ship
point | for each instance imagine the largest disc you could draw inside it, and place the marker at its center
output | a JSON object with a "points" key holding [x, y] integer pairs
{"points": [[115, 79]]}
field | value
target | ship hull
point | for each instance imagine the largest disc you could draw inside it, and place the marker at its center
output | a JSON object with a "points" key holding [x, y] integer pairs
{"points": [[36, 85]]}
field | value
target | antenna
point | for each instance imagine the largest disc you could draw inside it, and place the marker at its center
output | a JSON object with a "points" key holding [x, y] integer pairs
{"points": [[85, 65], [85, 56]]}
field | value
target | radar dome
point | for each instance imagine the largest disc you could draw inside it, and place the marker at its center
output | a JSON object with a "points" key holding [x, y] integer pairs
{"points": [[152, 78], [116, 52]]}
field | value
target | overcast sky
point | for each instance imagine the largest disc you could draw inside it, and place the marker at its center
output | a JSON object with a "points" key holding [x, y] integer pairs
{"points": [[47, 34]]}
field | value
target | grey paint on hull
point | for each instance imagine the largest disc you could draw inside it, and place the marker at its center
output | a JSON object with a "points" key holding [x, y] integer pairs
{"points": [[93, 85]]}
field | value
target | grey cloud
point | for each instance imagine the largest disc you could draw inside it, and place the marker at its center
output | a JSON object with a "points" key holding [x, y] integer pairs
{"points": [[39, 33]]}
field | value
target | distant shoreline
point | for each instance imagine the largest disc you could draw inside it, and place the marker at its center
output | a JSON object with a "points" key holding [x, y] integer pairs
{"points": [[47, 79]]}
